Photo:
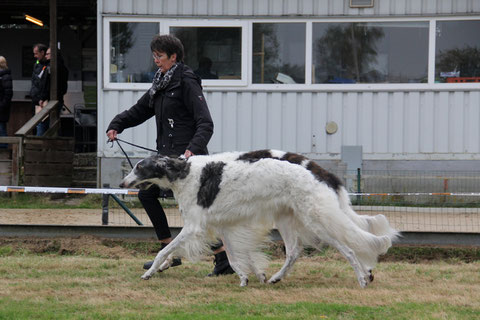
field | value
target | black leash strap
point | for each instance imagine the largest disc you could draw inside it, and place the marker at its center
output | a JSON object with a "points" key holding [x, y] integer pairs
{"points": [[132, 144], [135, 145]]}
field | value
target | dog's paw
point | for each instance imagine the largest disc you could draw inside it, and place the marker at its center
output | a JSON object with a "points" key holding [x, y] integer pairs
{"points": [[262, 278], [146, 276], [363, 282], [273, 281], [244, 282]]}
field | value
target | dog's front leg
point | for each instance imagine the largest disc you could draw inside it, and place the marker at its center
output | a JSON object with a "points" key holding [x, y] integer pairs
{"points": [[164, 254]]}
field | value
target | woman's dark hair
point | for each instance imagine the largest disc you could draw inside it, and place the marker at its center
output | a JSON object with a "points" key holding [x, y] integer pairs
{"points": [[168, 44]]}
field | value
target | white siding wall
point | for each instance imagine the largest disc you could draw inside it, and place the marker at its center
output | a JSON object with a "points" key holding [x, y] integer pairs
{"points": [[409, 125], [389, 125], [286, 7]]}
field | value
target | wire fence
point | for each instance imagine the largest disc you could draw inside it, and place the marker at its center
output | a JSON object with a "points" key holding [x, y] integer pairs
{"points": [[411, 200], [420, 201]]}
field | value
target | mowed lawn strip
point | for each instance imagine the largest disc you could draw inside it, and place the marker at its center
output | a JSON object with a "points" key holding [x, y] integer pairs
{"points": [[100, 284]]}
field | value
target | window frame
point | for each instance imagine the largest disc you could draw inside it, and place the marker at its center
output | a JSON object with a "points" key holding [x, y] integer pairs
{"points": [[245, 83], [307, 58], [107, 84], [243, 24]]}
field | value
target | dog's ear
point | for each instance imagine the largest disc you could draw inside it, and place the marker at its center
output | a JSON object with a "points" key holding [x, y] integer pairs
{"points": [[176, 168], [160, 162]]}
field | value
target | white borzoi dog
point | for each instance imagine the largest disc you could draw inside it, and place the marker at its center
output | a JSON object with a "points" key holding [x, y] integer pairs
{"points": [[239, 197]]}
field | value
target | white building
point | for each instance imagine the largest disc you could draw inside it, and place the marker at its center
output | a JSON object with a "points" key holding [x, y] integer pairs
{"points": [[400, 79]]}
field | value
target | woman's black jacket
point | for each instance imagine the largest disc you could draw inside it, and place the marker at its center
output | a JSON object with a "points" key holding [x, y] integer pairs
{"points": [[6, 93], [181, 113]]}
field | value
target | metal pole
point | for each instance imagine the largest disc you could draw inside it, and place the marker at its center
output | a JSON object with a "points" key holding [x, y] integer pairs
{"points": [[53, 63], [105, 199], [124, 207], [53, 50], [359, 184]]}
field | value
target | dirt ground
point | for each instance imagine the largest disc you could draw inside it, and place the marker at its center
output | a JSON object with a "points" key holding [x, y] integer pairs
{"points": [[403, 219], [77, 217]]}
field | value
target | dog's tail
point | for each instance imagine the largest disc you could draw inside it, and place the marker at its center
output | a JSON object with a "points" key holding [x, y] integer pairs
{"points": [[368, 247], [377, 225]]}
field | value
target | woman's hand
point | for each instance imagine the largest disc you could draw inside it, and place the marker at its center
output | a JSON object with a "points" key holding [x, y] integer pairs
{"points": [[112, 134], [188, 154]]}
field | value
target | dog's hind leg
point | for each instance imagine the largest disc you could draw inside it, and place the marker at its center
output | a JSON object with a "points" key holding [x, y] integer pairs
{"points": [[293, 246], [259, 273], [233, 259]]}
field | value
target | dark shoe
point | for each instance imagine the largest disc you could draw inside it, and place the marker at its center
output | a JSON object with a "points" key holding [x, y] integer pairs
{"points": [[222, 266], [176, 261]]}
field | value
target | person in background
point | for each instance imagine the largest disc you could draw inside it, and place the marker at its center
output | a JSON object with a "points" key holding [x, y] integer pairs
{"points": [[39, 91], [62, 86], [184, 127], [6, 93], [204, 69]]}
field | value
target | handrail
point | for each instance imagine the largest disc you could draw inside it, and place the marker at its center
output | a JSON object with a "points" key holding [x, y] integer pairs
{"points": [[28, 127]]}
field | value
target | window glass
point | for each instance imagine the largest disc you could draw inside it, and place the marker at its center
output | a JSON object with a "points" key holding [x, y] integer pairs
{"points": [[212, 52], [278, 53], [130, 55], [457, 53], [371, 52]]}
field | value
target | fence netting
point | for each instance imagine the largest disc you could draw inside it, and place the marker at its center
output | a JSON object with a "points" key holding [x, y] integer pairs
{"points": [[420, 201]]}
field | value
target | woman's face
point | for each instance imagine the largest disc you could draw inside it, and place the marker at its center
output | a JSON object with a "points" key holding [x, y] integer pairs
{"points": [[163, 61]]}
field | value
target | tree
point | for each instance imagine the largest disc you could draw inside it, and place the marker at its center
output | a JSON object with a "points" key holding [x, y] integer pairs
{"points": [[465, 60], [347, 50]]}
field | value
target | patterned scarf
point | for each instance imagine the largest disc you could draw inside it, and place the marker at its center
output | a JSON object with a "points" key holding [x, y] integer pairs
{"points": [[160, 82]]}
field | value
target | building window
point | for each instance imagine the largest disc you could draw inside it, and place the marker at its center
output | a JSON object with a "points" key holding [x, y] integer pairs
{"points": [[214, 53], [457, 52], [370, 52], [130, 55], [278, 53]]}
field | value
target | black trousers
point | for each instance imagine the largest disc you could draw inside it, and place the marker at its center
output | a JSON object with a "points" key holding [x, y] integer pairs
{"points": [[149, 200]]}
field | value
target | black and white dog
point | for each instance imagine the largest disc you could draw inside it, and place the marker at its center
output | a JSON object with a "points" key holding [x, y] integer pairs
{"points": [[240, 197]]}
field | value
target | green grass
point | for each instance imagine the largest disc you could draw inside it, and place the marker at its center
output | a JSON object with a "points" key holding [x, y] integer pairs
{"points": [[46, 201], [99, 279], [67, 201], [11, 309]]}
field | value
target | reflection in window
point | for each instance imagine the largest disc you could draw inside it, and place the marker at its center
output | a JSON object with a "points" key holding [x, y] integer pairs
{"points": [[212, 52], [130, 55], [457, 54], [370, 52], [278, 53]]}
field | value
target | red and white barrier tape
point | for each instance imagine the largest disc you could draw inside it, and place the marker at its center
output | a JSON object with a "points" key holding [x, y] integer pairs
{"points": [[68, 190], [458, 194], [135, 191]]}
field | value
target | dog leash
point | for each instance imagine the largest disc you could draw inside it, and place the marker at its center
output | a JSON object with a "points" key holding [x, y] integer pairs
{"points": [[132, 144]]}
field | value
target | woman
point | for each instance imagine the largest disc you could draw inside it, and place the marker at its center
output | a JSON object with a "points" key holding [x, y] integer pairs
{"points": [[6, 94], [184, 127]]}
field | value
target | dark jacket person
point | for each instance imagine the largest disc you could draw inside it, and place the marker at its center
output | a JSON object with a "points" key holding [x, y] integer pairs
{"points": [[184, 127], [181, 114], [6, 90], [6, 93]]}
